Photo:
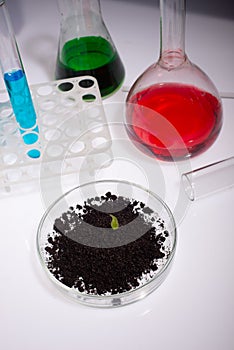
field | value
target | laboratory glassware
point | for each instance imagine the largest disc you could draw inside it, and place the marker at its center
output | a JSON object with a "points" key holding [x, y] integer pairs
{"points": [[16, 82], [173, 110], [209, 179], [127, 246], [86, 47]]}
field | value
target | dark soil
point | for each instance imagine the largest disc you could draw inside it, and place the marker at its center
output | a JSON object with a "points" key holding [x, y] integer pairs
{"points": [[106, 246]]}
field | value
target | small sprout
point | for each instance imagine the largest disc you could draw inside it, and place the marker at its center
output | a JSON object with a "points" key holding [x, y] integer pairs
{"points": [[114, 222]]}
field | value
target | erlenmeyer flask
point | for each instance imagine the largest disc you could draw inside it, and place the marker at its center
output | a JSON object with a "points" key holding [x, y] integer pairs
{"points": [[173, 110], [86, 47]]}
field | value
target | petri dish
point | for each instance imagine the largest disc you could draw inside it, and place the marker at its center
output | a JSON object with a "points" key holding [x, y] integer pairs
{"points": [[107, 243]]}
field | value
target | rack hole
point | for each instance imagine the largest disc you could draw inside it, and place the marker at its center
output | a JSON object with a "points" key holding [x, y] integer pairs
{"points": [[47, 105], [66, 86], [99, 142], [72, 131], [54, 150], [86, 83], [52, 135], [44, 90], [30, 137], [9, 128], [10, 158], [49, 119], [89, 97], [6, 113], [34, 153], [77, 147]]}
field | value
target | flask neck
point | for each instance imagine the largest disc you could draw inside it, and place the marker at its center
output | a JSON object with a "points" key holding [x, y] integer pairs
{"points": [[172, 33], [70, 8], [80, 18]]}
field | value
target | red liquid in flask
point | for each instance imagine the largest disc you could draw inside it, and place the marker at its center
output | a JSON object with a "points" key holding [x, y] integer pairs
{"points": [[173, 121]]}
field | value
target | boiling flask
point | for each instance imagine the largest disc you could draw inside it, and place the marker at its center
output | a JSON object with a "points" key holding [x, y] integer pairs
{"points": [[86, 47], [173, 110]]}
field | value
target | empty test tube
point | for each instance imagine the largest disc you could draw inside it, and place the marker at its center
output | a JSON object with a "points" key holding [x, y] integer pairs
{"points": [[209, 179], [16, 83]]}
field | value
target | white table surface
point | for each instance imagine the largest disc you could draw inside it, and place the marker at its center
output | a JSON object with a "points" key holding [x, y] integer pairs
{"points": [[194, 308]]}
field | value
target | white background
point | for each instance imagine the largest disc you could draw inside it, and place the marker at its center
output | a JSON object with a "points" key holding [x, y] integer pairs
{"points": [[194, 308]]}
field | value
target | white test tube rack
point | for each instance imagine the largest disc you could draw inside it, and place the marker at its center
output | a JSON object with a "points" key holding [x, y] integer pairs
{"points": [[73, 130]]}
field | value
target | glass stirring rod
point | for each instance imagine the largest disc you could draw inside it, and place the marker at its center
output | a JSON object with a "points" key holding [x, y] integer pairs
{"points": [[16, 83]]}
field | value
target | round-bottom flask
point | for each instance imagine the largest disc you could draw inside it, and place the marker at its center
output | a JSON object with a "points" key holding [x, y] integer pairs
{"points": [[173, 110], [86, 47]]}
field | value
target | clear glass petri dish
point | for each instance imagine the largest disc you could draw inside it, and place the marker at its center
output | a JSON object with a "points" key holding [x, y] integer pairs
{"points": [[116, 261]]}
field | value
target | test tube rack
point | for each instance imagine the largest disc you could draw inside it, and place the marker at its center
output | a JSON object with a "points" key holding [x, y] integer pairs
{"points": [[73, 133]]}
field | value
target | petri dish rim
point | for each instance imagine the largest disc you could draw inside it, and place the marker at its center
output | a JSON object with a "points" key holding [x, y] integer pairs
{"points": [[119, 299]]}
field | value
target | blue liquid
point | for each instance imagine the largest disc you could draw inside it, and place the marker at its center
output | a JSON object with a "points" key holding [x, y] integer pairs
{"points": [[23, 108]]}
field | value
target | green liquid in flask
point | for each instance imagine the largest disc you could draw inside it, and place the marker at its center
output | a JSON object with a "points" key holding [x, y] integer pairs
{"points": [[92, 56]]}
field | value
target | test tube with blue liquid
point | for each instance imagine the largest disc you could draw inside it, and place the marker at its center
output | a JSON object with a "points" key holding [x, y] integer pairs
{"points": [[16, 83]]}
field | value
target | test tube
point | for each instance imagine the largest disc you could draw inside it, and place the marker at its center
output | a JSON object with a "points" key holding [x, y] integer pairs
{"points": [[209, 179], [16, 83]]}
